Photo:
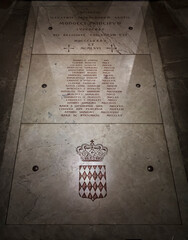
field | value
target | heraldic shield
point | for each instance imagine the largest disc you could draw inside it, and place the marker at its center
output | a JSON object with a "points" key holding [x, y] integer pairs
{"points": [[92, 177]]}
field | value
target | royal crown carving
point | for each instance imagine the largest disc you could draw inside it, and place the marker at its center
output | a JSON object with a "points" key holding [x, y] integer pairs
{"points": [[92, 152]]}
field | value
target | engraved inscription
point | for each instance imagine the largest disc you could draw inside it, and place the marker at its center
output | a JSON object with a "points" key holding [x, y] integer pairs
{"points": [[84, 30], [85, 95], [91, 89]]}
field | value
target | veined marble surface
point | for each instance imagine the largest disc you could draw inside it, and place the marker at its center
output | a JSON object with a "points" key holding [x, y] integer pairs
{"points": [[91, 89], [145, 203], [82, 28], [51, 194]]}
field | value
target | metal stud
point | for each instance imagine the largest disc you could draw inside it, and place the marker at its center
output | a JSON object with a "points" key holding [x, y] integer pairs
{"points": [[130, 28], [44, 85], [35, 168], [150, 168], [138, 85], [50, 28]]}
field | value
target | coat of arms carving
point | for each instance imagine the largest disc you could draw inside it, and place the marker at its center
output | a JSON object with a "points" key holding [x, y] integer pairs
{"points": [[92, 176]]}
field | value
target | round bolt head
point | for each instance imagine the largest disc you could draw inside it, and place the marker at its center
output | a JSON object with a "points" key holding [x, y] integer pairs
{"points": [[150, 168], [50, 28], [130, 28], [35, 168], [44, 85], [138, 85]]}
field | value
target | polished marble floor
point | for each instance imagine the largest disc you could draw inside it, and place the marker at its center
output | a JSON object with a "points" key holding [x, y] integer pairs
{"points": [[91, 130]]}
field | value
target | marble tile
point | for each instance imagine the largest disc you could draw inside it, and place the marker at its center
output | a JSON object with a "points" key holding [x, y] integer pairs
{"points": [[177, 69], [175, 154], [91, 89], [7, 166], [51, 194], [137, 204], [179, 45], [82, 28], [178, 89]]}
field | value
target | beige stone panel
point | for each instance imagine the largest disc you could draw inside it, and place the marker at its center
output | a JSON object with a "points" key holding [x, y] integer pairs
{"points": [[105, 93], [51, 194], [84, 28]]}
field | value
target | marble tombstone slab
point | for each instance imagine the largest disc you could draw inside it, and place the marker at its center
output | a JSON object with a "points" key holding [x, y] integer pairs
{"points": [[134, 195], [92, 123], [101, 29], [91, 89]]}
